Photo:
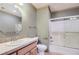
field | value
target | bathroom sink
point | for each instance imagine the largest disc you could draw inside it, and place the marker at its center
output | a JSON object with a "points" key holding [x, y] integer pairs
{"points": [[19, 42], [16, 43]]}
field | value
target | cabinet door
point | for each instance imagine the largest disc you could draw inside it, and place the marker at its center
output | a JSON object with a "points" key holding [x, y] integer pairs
{"points": [[34, 51], [27, 48]]}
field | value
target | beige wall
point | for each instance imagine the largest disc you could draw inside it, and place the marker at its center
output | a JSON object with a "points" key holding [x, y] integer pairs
{"points": [[28, 20], [42, 24]]}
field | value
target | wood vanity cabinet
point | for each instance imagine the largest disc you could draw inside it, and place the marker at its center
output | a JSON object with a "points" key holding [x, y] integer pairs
{"points": [[30, 49], [33, 51]]}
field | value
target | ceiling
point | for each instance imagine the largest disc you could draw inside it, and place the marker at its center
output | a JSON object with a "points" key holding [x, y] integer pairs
{"points": [[39, 5], [56, 6]]}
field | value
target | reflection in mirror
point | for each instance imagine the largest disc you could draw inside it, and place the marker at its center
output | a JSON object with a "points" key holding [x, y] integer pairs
{"points": [[10, 22]]}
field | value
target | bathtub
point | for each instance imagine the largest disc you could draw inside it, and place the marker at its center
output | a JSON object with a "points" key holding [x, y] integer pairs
{"points": [[63, 50]]}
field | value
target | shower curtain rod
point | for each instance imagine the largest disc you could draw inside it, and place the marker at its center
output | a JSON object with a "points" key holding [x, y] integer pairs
{"points": [[64, 18]]}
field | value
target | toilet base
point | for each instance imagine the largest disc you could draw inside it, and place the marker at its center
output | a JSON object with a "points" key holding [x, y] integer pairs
{"points": [[41, 49], [41, 53]]}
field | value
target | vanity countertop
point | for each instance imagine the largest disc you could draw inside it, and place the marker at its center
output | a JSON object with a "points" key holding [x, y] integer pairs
{"points": [[14, 45]]}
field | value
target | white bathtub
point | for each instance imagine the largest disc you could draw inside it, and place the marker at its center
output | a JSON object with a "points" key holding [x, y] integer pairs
{"points": [[63, 50]]}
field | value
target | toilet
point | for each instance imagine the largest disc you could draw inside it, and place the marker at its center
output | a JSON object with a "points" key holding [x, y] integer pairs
{"points": [[41, 49]]}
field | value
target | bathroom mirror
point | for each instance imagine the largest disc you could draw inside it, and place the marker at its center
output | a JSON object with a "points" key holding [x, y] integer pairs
{"points": [[10, 20]]}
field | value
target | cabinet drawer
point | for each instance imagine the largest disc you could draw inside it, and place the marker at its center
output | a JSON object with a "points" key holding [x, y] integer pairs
{"points": [[34, 51], [26, 49]]}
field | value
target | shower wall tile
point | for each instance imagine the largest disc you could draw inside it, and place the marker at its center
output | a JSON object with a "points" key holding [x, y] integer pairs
{"points": [[72, 40]]}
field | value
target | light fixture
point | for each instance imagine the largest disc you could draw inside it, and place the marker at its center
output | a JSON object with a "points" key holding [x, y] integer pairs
{"points": [[21, 4]]}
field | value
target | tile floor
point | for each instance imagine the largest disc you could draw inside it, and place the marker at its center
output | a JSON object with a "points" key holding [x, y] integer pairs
{"points": [[53, 53]]}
